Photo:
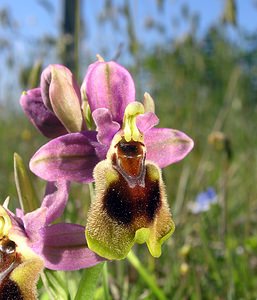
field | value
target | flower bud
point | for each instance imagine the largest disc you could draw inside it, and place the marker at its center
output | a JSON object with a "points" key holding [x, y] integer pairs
{"points": [[61, 94]]}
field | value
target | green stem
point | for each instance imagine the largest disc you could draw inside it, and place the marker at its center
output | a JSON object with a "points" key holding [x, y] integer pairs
{"points": [[91, 191], [145, 276], [224, 201], [105, 282], [88, 282]]}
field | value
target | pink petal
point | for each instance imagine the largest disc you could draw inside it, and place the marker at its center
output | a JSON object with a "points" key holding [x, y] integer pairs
{"points": [[33, 222], [71, 157], [105, 126], [39, 115], [109, 85], [166, 146], [147, 121], [64, 248], [55, 200]]}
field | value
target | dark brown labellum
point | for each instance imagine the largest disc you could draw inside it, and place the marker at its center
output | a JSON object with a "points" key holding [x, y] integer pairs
{"points": [[129, 205], [9, 290], [8, 261], [7, 253]]}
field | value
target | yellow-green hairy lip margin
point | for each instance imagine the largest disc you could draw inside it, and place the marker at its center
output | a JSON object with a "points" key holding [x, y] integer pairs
{"points": [[142, 235]]}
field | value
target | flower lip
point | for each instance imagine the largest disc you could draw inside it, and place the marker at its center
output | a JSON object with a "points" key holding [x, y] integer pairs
{"points": [[7, 246], [129, 159], [8, 256], [19, 269], [130, 149], [126, 214]]}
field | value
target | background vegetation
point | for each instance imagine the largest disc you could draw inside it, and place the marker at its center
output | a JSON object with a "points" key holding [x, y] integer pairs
{"points": [[204, 84]]}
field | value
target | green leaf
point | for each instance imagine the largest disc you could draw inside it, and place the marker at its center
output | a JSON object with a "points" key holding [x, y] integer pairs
{"points": [[87, 114], [25, 189], [148, 279], [55, 284], [88, 282]]}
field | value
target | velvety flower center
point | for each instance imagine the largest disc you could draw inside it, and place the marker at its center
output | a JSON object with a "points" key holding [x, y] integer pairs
{"points": [[135, 206], [11, 290]]}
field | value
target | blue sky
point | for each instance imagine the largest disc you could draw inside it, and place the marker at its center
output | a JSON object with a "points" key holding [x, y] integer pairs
{"points": [[33, 21], [30, 12]]}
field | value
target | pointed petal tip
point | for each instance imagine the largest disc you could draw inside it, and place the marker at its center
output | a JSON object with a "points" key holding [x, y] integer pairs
{"points": [[6, 202]]}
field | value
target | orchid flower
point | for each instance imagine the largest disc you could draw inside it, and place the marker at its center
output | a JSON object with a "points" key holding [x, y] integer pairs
{"points": [[29, 242], [124, 156]]}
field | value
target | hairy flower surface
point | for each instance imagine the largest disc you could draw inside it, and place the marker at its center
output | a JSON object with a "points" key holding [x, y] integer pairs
{"points": [[123, 156], [29, 242], [20, 266], [130, 204]]}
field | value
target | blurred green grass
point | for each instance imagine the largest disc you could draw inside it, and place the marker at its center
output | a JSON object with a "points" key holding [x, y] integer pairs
{"points": [[200, 87]]}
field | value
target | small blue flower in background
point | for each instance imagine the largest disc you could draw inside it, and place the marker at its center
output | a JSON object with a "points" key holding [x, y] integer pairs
{"points": [[203, 201]]}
